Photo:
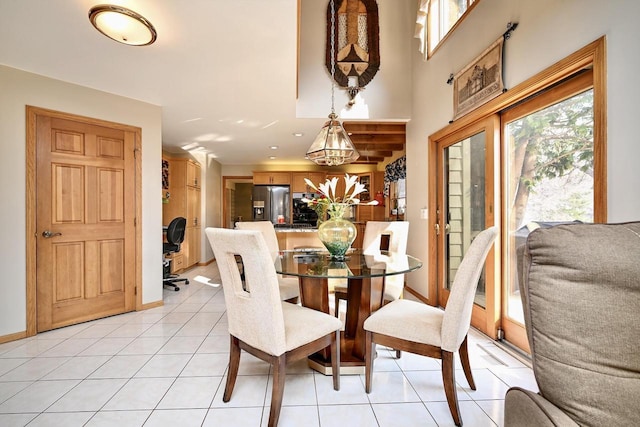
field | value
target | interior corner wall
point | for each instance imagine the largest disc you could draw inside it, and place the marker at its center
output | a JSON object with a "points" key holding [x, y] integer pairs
{"points": [[212, 203], [18, 89], [548, 31]]}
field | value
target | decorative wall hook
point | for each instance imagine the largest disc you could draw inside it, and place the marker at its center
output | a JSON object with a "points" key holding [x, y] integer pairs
{"points": [[511, 26], [450, 79]]}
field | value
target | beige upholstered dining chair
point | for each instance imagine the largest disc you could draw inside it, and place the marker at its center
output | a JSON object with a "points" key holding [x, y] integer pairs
{"points": [[289, 287], [421, 329], [259, 321], [395, 238]]}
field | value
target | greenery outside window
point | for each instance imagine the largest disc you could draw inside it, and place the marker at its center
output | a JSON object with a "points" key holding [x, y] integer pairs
{"points": [[436, 19]]}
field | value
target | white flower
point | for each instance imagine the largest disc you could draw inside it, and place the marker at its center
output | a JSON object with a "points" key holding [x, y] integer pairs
{"points": [[352, 188]]}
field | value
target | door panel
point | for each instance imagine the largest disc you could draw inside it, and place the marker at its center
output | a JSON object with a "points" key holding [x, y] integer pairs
{"points": [[466, 198], [549, 178], [85, 268]]}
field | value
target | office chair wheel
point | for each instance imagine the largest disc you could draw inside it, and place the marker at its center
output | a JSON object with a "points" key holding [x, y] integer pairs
{"points": [[186, 282], [177, 289]]}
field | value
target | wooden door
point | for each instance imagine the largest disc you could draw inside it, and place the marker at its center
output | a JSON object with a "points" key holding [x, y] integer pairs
{"points": [[85, 221], [465, 205]]}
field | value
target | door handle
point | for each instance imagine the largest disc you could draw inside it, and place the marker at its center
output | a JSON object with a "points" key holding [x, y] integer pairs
{"points": [[47, 234]]}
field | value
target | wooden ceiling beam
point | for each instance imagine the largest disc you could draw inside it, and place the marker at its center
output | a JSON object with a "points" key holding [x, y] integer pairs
{"points": [[378, 139], [375, 127], [375, 153], [378, 147]]}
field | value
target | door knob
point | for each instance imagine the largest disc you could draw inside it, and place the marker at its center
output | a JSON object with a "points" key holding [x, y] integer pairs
{"points": [[47, 234]]}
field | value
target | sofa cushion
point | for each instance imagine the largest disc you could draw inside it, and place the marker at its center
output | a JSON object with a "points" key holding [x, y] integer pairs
{"points": [[582, 310]]}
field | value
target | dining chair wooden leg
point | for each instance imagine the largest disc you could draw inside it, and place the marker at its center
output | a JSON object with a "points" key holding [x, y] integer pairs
{"points": [[466, 366], [279, 373], [234, 363], [368, 361], [335, 360], [449, 380]]}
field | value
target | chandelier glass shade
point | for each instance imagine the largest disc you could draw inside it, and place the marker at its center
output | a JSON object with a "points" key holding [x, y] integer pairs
{"points": [[332, 146]]}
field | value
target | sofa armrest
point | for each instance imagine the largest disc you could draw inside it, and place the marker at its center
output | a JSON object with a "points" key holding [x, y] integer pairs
{"points": [[526, 408]]}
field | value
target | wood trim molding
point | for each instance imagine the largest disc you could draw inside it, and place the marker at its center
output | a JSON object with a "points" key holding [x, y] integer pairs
{"points": [[13, 337], [138, 209], [30, 216], [150, 305]]}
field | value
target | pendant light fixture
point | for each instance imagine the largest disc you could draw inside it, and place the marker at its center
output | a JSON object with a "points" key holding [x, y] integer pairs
{"points": [[332, 146], [122, 25]]}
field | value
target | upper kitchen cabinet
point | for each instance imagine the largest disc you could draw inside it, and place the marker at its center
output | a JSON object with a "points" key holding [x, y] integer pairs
{"points": [[341, 185], [193, 174], [298, 184], [374, 183], [269, 178]]}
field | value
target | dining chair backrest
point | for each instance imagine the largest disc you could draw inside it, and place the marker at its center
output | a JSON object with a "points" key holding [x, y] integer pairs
{"points": [[254, 317], [268, 232], [457, 313], [398, 232]]}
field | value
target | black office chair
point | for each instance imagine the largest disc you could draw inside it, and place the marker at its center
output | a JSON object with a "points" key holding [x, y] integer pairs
{"points": [[175, 236]]}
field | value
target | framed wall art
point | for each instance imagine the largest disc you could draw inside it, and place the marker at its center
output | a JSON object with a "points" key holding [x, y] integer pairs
{"points": [[480, 81]]}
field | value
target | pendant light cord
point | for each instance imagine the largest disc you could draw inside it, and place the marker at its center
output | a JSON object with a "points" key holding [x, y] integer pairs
{"points": [[333, 55]]}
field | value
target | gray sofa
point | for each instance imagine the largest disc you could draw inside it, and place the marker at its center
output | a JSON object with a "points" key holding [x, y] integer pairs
{"points": [[581, 294]]}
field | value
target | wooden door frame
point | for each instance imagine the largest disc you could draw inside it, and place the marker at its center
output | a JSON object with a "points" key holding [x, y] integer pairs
{"points": [[225, 211], [591, 56], [485, 319], [31, 229]]}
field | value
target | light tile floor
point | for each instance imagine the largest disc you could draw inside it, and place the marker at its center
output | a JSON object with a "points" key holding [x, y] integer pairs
{"points": [[166, 367]]}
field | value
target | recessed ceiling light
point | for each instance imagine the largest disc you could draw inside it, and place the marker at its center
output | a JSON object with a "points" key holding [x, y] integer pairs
{"points": [[274, 147], [298, 134], [122, 25], [272, 157]]}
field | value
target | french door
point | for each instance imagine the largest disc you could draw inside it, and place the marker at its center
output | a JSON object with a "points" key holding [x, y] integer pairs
{"points": [[533, 157], [466, 205], [543, 150], [548, 178]]}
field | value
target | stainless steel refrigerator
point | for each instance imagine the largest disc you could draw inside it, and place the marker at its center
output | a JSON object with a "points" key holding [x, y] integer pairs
{"points": [[271, 203]]}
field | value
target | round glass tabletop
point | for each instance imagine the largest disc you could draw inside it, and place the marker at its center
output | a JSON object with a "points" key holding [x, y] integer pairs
{"points": [[356, 264]]}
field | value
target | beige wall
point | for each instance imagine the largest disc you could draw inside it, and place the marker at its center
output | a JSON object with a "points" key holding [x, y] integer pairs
{"points": [[548, 31], [18, 89]]}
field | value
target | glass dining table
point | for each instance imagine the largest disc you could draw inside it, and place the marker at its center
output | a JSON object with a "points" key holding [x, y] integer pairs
{"points": [[364, 275]]}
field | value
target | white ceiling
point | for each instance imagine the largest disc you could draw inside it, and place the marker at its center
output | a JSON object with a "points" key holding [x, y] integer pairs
{"points": [[223, 71]]}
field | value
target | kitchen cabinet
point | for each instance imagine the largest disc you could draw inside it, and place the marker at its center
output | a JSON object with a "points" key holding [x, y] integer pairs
{"points": [[269, 178], [298, 184], [373, 182], [185, 200], [341, 183]]}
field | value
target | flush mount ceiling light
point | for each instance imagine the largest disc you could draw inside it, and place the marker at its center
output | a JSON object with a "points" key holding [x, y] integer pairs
{"points": [[332, 146], [122, 25]]}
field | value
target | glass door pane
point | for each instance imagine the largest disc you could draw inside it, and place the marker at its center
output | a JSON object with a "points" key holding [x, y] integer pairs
{"points": [[548, 178], [464, 169]]}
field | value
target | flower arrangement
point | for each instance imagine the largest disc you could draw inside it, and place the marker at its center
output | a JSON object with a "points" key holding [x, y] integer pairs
{"points": [[330, 202]]}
